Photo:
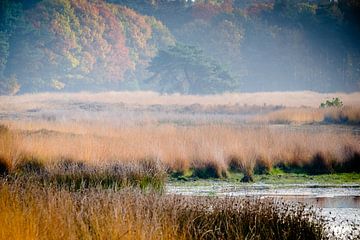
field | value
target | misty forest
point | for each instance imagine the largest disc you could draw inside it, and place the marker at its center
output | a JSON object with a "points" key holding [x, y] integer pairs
{"points": [[180, 119], [196, 47]]}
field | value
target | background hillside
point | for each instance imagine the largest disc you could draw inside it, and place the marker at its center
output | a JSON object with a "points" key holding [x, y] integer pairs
{"points": [[179, 46]]}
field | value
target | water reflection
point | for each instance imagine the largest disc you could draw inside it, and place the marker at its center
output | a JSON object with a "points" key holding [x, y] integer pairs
{"points": [[325, 202]]}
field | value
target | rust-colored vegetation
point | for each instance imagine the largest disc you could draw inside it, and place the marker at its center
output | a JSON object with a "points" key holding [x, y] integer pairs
{"points": [[127, 154]]}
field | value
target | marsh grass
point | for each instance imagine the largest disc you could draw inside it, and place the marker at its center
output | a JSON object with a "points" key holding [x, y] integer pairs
{"points": [[28, 211], [320, 163], [307, 115], [144, 155], [74, 175], [231, 218]]}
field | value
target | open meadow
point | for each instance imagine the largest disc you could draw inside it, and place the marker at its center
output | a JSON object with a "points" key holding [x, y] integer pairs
{"points": [[79, 160]]}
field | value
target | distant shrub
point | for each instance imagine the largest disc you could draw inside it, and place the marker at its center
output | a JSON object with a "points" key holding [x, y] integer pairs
{"points": [[335, 102]]}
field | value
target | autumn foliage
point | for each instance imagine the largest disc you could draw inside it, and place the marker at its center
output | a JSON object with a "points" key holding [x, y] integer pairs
{"points": [[67, 43], [283, 45]]}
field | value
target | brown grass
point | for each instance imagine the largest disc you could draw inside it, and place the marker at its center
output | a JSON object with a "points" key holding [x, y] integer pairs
{"points": [[289, 99], [212, 147], [126, 108], [31, 212], [301, 115]]}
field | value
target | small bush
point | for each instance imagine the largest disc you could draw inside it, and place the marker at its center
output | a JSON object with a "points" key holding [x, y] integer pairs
{"points": [[335, 102]]}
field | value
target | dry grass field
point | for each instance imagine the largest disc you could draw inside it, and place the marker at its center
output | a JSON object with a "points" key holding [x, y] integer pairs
{"points": [[124, 108], [288, 99], [93, 166], [31, 212], [211, 148], [206, 135]]}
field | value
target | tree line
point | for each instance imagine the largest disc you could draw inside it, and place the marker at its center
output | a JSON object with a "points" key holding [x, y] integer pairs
{"points": [[196, 47]]}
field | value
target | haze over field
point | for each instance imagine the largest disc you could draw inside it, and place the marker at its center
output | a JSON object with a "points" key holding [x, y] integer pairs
{"points": [[191, 47], [180, 119]]}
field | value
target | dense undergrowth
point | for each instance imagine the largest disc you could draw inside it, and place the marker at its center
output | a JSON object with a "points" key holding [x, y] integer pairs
{"points": [[30, 211]]}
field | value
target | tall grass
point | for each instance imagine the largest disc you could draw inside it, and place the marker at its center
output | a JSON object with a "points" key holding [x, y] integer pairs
{"points": [[31, 212], [209, 151], [300, 115]]}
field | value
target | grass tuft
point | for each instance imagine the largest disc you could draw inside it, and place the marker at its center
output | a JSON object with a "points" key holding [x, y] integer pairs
{"points": [[237, 164], [319, 164], [207, 170], [262, 165], [4, 166]]}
